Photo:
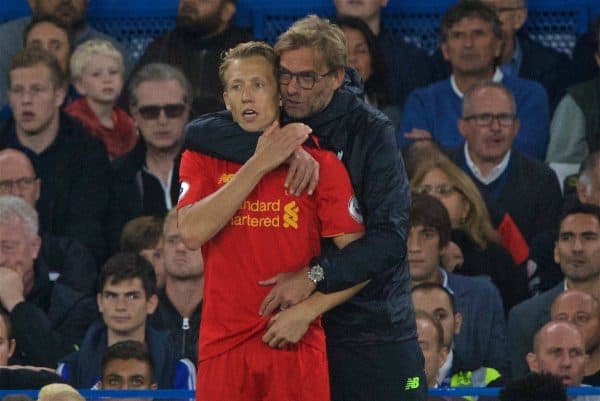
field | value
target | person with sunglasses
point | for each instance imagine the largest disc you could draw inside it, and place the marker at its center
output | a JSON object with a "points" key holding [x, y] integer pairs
{"points": [[147, 177]]}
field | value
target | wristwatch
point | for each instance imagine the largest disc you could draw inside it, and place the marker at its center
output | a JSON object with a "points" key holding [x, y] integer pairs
{"points": [[316, 274]]}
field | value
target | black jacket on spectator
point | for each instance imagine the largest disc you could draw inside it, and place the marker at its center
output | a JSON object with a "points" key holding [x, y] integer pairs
{"points": [[18, 379], [199, 59], [75, 175], [528, 190], [364, 139], [495, 262], [183, 331], [408, 67], [51, 322], [136, 192], [72, 261]]}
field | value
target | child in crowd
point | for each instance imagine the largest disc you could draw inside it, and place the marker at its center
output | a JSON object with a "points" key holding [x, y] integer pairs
{"points": [[97, 73]]}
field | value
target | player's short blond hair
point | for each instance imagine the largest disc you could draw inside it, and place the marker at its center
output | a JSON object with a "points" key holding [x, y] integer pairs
{"points": [[59, 392], [85, 51]]}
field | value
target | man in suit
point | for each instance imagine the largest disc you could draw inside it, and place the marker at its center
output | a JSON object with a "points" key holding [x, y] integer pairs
{"points": [[577, 250]]}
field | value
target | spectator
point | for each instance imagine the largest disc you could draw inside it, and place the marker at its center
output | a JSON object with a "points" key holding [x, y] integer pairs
{"points": [[49, 318], [70, 12], [583, 311], [535, 387], [364, 55], [19, 377], [558, 349], [575, 128], [97, 71], [73, 166], [482, 339], [471, 38], [126, 296], [147, 178], [503, 174], [144, 235], [438, 302], [67, 259], [431, 341], [180, 302], [407, 66], [202, 32], [50, 34], [475, 248], [577, 250], [522, 56], [127, 365]]}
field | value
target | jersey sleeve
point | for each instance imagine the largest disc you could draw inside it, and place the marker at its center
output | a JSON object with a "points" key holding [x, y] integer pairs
{"points": [[337, 206], [193, 177]]}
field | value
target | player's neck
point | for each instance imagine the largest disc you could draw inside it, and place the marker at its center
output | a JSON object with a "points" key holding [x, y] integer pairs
{"points": [[591, 287], [103, 112], [160, 163], [138, 334], [466, 80]]}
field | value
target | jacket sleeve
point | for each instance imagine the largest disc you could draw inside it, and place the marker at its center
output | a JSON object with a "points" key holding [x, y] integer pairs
{"points": [[496, 357], [534, 115], [44, 340], [216, 135], [384, 198], [415, 115]]}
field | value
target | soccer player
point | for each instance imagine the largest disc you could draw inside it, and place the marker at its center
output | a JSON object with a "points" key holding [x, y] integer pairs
{"points": [[250, 228]]}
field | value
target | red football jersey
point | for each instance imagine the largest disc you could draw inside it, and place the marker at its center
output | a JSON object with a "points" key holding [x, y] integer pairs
{"points": [[272, 232]]}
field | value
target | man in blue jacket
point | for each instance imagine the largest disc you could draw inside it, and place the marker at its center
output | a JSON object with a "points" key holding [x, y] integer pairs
{"points": [[126, 296], [372, 348]]}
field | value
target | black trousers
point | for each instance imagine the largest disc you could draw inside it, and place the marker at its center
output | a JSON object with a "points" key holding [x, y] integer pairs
{"points": [[383, 372]]}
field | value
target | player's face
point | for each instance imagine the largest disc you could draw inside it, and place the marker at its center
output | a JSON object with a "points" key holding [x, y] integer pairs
{"points": [[251, 93], [423, 253], [577, 248], [161, 114], [359, 56], [180, 262], [34, 99], [124, 306], [51, 38], [301, 100], [127, 374], [471, 46], [101, 80]]}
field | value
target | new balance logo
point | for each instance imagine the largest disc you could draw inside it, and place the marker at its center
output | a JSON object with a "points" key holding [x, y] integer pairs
{"points": [[224, 178], [290, 215], [412, 383]]}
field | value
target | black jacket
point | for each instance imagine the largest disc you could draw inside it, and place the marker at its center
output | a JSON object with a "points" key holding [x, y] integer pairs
{"points": [[51, 322], [136, 192], [198, 57], [183, 331], [75, 182], [364, 139], [82, 369], [19, 379]]}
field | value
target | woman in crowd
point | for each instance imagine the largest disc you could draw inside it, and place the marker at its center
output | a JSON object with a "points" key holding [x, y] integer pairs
{"points": [[475, 248], [364, 55]]}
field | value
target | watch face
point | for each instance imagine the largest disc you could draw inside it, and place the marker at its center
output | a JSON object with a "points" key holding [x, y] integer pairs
{"points": [[316, 273]]}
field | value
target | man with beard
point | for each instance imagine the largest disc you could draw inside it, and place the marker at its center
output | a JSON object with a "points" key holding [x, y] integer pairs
{"points": [[202, 32], [70, 12], [180, 301]]}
